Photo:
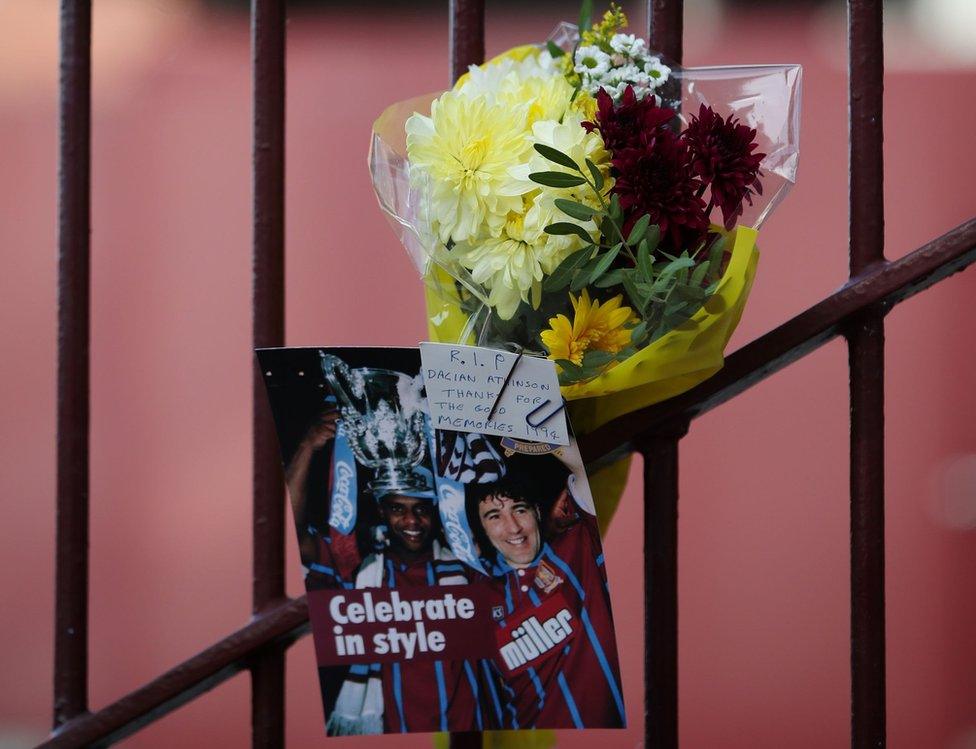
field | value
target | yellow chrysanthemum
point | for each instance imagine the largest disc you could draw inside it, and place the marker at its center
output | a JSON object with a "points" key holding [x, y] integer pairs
{"points": [[462, 155], [531, 79], [596, 326], [585, 105], [548, 98], [512, 266]]}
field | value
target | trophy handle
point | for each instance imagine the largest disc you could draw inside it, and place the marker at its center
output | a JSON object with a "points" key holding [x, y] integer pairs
{"points": [[339, 377]]}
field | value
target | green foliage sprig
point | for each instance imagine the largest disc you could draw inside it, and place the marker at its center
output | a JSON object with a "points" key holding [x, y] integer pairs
{"points": [[664, 289]]}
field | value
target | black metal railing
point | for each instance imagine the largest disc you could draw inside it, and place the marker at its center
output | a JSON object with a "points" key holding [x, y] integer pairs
{"points": [[856, 311]]}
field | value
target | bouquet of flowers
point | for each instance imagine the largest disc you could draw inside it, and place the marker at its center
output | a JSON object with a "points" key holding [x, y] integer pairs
{"points": [[587, 201]]}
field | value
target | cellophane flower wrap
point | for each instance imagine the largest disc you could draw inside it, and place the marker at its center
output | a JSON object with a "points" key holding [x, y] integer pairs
{"points": [[588, 201]]}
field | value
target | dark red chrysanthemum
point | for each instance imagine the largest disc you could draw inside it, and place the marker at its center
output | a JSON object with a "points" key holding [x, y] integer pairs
{"points": [[721, 156], [629, 123], [656, 179]]}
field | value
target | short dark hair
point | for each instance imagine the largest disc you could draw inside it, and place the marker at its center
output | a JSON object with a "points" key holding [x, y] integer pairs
{"points": [[535, 479]]}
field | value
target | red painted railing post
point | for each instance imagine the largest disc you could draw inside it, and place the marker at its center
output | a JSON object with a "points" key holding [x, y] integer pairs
{"points": [[74, 264], [268, 310], [866, 353]]}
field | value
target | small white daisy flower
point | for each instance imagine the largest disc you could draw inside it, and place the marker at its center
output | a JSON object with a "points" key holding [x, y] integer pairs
{"points": [[621, 42], [591, 61], [628, 44], [658, 71], [620, 88], [628, 73]]}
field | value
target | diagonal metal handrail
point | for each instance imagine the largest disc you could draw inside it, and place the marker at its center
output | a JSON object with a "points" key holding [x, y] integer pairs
{"points": [[280, 625], [883, 284]]}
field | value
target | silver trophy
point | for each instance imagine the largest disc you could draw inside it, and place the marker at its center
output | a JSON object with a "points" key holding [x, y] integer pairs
{"points": [[384, 422]]}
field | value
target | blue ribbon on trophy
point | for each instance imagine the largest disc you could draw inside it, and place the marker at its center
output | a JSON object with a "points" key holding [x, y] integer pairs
{"points": [[345, 487]]}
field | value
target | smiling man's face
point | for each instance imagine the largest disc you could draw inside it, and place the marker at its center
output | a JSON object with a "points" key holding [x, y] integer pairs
{"points": [[512, 526], [411, 523]]}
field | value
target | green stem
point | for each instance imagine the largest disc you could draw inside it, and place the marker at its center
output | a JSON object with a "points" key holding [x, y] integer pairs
{"points": [[606, 210]]}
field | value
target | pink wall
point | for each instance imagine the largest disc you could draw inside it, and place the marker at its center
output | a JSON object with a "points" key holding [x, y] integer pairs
{"points": [[763, 556]]}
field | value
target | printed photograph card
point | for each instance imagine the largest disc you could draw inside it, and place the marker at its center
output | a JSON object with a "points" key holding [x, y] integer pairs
{"points": [[455, 579]]}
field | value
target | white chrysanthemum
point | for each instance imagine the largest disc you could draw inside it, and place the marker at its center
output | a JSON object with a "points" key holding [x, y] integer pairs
{"points": [[657, 71], [461, 156], [591, 61]]}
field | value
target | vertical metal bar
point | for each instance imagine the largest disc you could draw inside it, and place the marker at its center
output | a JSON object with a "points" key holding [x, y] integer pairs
{"points": [[467, 30], [74, 228], [467, 47], [665, 31], [660, 453], [665, 24], [268, 49], [866, 358], [866, 79]]}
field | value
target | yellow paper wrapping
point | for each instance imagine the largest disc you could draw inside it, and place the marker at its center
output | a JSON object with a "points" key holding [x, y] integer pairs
{"points": [[536, 739]]}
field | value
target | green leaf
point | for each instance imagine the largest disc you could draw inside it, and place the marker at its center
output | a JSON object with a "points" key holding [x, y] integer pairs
{"points": [[560, 277], [679, 263], [616, 213], [569, 367], [554, 49], [637, 233], [557, 179], [644, 264], [596, 174], [604, 262], [638, 332], [613, 278], [585, 16], [636, 297], [698, 276], [653, 238], [715, 256], [564, 228], [690, 293], [597, 358], [583, 277], [626, 352], [556, 156], [574, 373], [662, 283], [576, 210]]}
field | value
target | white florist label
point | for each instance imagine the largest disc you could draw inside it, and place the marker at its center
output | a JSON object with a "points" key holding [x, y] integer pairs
{"points": [[464, 382]]}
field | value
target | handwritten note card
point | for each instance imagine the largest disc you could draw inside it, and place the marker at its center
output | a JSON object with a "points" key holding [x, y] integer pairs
{"points": [[463, 383]]}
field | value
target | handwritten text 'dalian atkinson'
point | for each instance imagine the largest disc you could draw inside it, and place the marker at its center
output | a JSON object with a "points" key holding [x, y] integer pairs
{"points": [[464, 382]]}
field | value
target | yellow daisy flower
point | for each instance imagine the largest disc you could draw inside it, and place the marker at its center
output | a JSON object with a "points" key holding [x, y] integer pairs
{"points": [[596, 326]]}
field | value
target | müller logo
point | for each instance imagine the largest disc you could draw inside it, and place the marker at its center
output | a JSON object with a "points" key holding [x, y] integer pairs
{"points": [[534, 637]]}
